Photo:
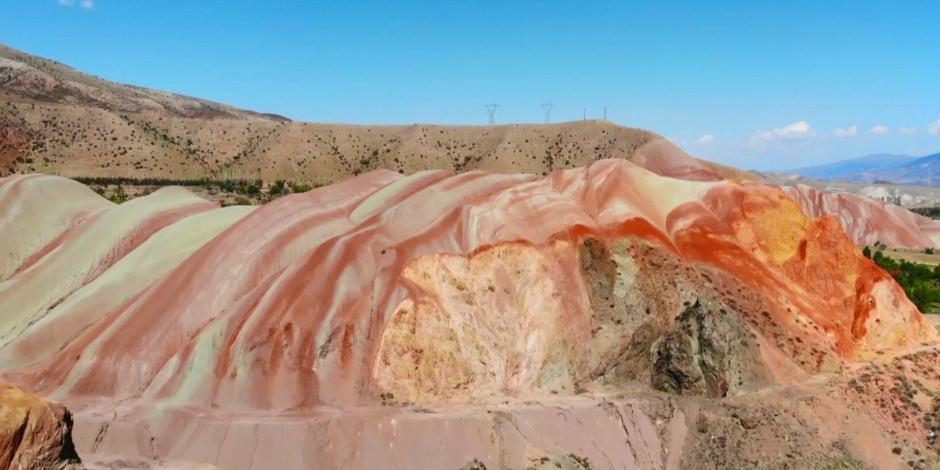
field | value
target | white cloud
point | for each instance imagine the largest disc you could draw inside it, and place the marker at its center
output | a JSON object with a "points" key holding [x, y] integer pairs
{"points": [[850, 131], [934, 127], [796, 130], [907, 131], [86, 4], [706, 139], [879, 130]]}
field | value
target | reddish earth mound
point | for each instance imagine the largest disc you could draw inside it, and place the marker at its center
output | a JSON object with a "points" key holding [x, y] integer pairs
{"points": [[867, 221], [186, 331]]}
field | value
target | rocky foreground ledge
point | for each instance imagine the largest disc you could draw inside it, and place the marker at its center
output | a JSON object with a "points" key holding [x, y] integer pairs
{"points": [[34, 433]]}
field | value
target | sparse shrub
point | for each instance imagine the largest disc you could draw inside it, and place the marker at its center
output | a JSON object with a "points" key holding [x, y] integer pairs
{"points": [[844, 462], [300, 187], [119, 196], [278, 188]]}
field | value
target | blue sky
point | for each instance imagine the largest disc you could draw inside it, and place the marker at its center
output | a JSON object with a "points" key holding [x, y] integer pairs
{"points": [[764, 85]]}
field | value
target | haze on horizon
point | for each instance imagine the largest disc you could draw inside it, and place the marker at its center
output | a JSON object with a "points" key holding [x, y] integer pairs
{"points": [[756, 86]]}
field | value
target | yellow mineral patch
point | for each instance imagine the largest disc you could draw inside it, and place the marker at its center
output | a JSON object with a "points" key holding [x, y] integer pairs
{"points": [[777, 226]]}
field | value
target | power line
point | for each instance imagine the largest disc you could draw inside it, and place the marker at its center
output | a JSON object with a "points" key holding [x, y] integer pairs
{"points": [[491, 109], [548, 112]]}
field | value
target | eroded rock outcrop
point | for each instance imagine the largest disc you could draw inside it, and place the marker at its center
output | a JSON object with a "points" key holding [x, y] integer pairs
{"points": [[34, 433], [709, 351]]}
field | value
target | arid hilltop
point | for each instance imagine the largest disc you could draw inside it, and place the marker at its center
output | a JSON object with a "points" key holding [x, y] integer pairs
{"points": [[55, 119]]}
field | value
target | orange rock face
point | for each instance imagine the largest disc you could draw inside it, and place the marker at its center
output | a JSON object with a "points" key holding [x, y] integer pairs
{"points": [[34, 433], [824, 270]]}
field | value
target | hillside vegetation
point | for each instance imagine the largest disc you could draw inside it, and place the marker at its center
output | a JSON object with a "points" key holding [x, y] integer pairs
{"points": [[921, 282]]}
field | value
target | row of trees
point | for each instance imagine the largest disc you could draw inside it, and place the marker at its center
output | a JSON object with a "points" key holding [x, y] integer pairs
{"points": [[932, 212], [921, 282], [249, 187], [115, 180], [281, 187]]}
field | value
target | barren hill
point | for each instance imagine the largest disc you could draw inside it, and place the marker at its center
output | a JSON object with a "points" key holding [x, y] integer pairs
{"points": [[48, 81], [55, 119]]}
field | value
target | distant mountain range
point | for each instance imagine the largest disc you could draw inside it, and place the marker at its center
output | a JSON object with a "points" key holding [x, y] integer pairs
{"points": [[900, 169], [847, 168]]}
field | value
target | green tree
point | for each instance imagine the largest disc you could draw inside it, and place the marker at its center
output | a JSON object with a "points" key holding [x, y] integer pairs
{"points": [[119, 196], [278, 188]]}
